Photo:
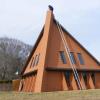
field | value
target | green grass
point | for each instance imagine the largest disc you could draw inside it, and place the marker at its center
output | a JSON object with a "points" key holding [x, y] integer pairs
{"points": [[65, 95]]}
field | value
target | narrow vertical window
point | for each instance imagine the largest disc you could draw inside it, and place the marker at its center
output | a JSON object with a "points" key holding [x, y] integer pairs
{"points": [[93, 78], [37, 59], [63, 58], [72, 58], [32, 62], [67, 77], [80, 58], [85, 77]]}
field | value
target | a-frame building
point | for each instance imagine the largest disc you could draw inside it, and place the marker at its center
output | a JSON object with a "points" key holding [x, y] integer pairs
{"points": [[59, 62]]}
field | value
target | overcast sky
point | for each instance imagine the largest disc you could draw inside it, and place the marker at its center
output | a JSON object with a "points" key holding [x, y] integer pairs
{"points": [[23, 19]]}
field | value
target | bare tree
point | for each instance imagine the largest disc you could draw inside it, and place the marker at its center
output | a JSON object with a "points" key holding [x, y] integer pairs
{"points": [[13, 55]]}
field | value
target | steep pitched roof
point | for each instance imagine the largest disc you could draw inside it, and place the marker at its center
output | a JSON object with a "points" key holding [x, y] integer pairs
{"points": [[39, 38], [79, 43], [33, 50]]}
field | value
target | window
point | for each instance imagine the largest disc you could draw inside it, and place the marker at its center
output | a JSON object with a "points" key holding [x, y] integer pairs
{"points": [[67, 77], [84, 77], [80, 58], [63, 58], [93, 77], [32, 62], [72, 58], [37, 59]]}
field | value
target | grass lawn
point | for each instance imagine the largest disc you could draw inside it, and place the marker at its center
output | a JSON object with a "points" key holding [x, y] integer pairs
{"points": [[65, 95]]}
